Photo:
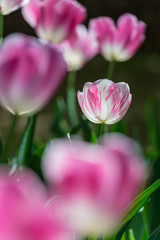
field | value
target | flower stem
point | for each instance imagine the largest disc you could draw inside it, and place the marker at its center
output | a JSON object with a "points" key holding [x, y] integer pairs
{"points": [[145, 219], [111, 69], [9, 139], [1, 28], [102, 129], [71, 99]]}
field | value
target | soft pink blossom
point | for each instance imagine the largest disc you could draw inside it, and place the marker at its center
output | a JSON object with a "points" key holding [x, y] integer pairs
{"points": [[79, 48], [8, 6], [95, 183], [30, 72], [54, 20], [104, 101], [118, 43], [24, 212]]}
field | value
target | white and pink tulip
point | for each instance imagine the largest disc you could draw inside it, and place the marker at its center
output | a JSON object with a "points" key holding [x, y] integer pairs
{"points": [[30, 73], [79, 48], [94, 183], [104, 101], [118, 43], [54, 20]]}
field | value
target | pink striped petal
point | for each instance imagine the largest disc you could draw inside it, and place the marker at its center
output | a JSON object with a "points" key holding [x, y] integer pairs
{"points": [[105, 101]]}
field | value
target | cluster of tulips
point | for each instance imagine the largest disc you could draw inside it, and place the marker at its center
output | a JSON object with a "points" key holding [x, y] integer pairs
{"points": [[91, 189]]}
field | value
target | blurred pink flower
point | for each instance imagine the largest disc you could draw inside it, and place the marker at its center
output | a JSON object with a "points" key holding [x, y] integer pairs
{"points": [[118, 43], [54, 20], [95, 183], [30, 72], [79, 48], [24, 215], [104, 101], [8, 6]]}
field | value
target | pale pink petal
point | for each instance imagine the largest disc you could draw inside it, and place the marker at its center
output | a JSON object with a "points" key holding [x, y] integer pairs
{"points": [[8, 6], [30, 73], [54, 20], [118, 43]]}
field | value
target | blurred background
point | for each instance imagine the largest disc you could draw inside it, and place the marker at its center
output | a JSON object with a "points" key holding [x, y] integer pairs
{"points": [[142, 72]]}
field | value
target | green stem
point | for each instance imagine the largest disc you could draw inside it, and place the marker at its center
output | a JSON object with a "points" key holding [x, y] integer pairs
{"points": [[111, 69], [9, 139], [1, 28], [145, 219], [71, 99], [102, 129]]}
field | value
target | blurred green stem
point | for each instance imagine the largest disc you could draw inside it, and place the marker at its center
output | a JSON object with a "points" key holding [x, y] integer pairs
{"points": [[111, 69], [102, 129], [9, 139], [145, 219], [71, 99], [1, 28]]}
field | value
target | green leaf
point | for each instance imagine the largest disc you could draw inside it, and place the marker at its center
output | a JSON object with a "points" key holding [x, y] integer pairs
{"points": [[26, 142], [123, 229], [140, 200], [136, 205], [155, 235]]}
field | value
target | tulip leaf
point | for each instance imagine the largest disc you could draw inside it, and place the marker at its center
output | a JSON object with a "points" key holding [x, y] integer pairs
{"points": [[26, 142], [141, 199], [155, 235], [136, 205]]}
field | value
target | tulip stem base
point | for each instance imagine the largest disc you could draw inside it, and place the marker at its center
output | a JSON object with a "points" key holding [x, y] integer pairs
{"points": [[111, 69], [1, 28], [6, 149]]}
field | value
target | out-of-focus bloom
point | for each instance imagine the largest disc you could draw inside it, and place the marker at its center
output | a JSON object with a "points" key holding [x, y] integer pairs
{"points": [[95, 183], [24, 214], [54, 20], [79, 48], [104, 101], [30, 72], [118, 43], [8, 6]]}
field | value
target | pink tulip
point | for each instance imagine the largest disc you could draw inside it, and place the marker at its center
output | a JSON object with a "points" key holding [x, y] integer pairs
{"points": [[8, 6], [24, 213], [95, 183], [104, 101], [79, 48], [54, 20], [118, 43], [30, 72]]}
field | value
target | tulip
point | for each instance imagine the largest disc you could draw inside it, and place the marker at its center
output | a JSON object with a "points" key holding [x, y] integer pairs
{"points": [[79, 48], [95, 183], [54, 20], [30, 72], [118, 43], [104, 101], [8, 6], [24, 213]]}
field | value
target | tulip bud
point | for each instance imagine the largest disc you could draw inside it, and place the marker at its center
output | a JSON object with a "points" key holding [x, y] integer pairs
{"points": [[79, 48], [54, 20], [95, 183], [30, 72], [118, 43], [104, 101]]}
